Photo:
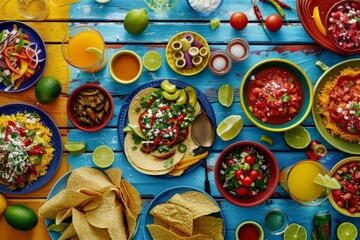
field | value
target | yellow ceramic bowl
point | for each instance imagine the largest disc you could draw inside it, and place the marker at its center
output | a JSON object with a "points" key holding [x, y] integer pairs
{"points": [[255, 224], [125, 66], [304, 81], [330, 196]]}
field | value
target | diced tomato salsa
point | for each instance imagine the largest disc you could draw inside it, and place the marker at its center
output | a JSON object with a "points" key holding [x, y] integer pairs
{"points": [[344, 106], [274, 95], [343, 25], [349, 195]]}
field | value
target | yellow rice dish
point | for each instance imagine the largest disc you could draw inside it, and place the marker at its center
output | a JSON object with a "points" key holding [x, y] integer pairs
{"points": [[25, 149]]}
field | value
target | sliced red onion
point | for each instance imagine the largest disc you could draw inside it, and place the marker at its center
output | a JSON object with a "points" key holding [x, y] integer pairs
{"points": [[197, 44], [189, 37], [35, 57], [188, 59], [2, 64]]}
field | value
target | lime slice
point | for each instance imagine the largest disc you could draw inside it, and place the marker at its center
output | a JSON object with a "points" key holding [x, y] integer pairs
{"points": [[347, 231], [95, 51], [127, 129], [102, 1], [297, 138], [331, 182], [103, 156], [321, 65], [75, 147], [152, 60], [226, 95], [214, 23], [58, 227], [39, 140], [266, 139], [230, 127], [137, 130], [295, 232]]}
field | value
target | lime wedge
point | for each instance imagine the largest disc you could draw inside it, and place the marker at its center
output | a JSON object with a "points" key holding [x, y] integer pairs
{"points": [[137, 130], [297, 138], [327, 181], [103, 156], [75, 147], [230, 127], [347, 231], [214, 23], [226, 95], [39, 140], [152, 60], [58, 227], [127, 129], [295, 232], [266, 139], [321, 65], [95, 51]]}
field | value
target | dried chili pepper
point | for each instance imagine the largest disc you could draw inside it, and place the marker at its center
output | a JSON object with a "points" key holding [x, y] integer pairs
{"points": [[282, 4], [278, 9], [260, 17]]}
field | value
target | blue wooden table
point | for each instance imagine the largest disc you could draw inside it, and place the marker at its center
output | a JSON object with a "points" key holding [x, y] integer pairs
{"points": [[291, 43]]}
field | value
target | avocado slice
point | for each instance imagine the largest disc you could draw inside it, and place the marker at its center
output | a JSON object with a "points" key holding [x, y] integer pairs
{"points": [[191, 95], [182, 98], [167, 86], [171, 96]]}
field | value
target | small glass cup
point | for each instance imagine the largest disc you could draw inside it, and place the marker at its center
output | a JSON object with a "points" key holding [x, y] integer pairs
{"points": [[33, 9], [220, 62], [238, 49], [84, 48], [276, 221], [61, 3], [297, 180], [161, 5]]}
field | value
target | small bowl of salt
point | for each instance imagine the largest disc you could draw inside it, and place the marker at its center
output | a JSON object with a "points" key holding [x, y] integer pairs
{"points": [[219, 63], [238, 49], [204, 7]]}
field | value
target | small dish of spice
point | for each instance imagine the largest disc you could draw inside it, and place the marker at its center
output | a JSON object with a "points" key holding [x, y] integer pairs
{"points": [[238, 49], [90, 107], [204, 7], [219, 63]]}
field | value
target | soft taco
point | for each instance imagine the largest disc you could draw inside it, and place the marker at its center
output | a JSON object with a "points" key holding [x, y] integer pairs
{"points": [[160, 126]]}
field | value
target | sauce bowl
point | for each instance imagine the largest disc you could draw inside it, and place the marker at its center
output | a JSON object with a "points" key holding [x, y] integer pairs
{"points": [[125, 66]]}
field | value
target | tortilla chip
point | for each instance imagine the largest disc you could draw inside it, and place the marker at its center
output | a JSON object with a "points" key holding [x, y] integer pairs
{"points": [[133, 197], [94, 200], [68, 233], [62, 215], [86, 231], [175, 215], [130, 221], [74, 238], [88, 178], [198, 237], [65, 199], [160, 222], [160, 233], [115, 175], [209, 225]]}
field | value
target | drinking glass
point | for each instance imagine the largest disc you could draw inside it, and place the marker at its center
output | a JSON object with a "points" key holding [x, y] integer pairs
{"points": [[60, 3], [297, 180], [83, 47], [276, 221], [161, 5], [33, 9]]}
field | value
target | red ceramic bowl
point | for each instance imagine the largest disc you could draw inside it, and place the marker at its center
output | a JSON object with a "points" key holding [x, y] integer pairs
{"points": [[70, 108], [332, 23], [272, 182]]}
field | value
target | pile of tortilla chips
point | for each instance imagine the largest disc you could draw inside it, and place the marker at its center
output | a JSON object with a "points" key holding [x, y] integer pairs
{"points": [[100, 206], [189, 215]]}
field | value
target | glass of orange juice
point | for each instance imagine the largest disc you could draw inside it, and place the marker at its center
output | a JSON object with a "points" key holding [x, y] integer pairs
{"points": [[298, 179], [84, 48]]}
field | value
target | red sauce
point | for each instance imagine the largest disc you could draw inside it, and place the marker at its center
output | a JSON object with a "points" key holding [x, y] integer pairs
{"points": [[248, 232], [274, 95]]}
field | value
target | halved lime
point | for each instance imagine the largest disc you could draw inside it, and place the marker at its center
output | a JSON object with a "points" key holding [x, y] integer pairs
{"points": [[327, 181], [75, 147], [230, 127], [214, 23], [152, 60], [266, 139], [297, 138], [103, 156], [58, 227], [295, 232], [347, 231], [226, 95]]}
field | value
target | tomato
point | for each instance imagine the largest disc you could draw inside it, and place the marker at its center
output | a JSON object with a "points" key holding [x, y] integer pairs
{"points": [[241, 191], [250, 160], [238, 20], [273, 22], [254, 174], [239, 173], [247, 181], [230, 162]]}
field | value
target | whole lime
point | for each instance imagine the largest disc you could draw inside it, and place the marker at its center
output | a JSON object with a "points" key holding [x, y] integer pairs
{"points": [[47, 89], [136, 21], [21, 217]]}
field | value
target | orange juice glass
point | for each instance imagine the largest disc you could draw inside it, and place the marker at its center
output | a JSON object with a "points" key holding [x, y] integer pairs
{"points": [[297, 180], [84, 48]]}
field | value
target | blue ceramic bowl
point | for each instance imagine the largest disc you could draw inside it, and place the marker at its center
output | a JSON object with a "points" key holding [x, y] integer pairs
{"points": [[204, 12], [306, 86]]}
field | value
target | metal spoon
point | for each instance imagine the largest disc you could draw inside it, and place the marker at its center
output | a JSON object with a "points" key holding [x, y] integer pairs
{"points": [[202, 131]]}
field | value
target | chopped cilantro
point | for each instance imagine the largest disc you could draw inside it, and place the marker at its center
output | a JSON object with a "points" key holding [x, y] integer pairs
{"points": [[285, 97], [169, 163]]}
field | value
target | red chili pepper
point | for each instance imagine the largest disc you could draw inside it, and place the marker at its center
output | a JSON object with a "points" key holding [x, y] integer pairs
{"points": [[260, 17], [9, 130], [36, 150], [27, 141], [165, 156], [164, 108], [142, 115], [183, 134], [166, 142], [10, 66], [150, 102], [282, 4]]}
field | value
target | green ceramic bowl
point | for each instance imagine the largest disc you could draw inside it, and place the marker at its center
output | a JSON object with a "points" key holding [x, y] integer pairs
{"points": [[306, 85], [352, 148]]}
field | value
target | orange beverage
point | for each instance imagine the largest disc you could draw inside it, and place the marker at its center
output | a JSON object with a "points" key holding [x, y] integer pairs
{"points": [[84, 48], [298, 181]]}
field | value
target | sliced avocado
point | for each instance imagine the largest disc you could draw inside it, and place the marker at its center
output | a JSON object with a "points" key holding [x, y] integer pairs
{"points": [[168, 87], [182, 98], [191, 95], [170, 96]]}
